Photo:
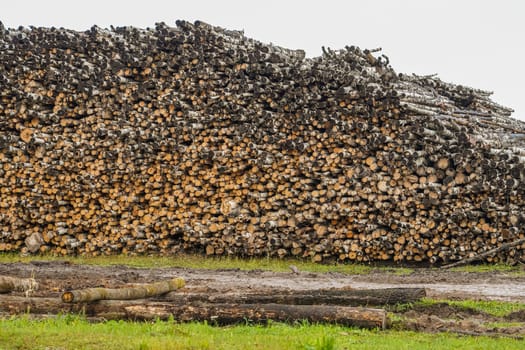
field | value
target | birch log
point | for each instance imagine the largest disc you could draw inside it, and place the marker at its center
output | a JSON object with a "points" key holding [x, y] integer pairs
{"points": [[485, 254], [198, 139], [10, 284], [126, 293]]}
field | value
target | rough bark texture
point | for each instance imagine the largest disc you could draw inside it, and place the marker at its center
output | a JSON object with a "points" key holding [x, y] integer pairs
{"points": [[235, 313], [197, 138], [213, 313], [128, 293], [483, 255], [342, 297], [10, 284]]}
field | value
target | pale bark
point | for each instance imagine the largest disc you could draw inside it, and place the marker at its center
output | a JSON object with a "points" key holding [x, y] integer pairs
{"points": [[125, 293]]}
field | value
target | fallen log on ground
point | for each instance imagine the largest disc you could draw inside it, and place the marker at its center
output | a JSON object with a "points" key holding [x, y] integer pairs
{"points": [[258, 313], [216, 313], [127, 293], [10, 284], [342, 297], [16, 305]]}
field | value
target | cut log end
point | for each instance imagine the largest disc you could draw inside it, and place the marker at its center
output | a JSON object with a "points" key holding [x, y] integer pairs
{"points": [[68, 297]]}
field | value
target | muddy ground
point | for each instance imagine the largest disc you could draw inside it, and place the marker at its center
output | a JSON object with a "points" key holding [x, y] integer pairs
{"points": [[56, 277]]}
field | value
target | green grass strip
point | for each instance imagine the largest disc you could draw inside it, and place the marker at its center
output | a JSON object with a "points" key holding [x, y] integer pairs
{"points": [[74, 332], [202, 262]]}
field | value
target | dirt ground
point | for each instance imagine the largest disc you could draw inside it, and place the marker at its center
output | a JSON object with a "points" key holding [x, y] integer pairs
{"points": [[56, 276]]}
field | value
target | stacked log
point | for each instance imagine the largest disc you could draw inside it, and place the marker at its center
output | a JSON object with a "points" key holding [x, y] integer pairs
{"points": [[196, 138]]}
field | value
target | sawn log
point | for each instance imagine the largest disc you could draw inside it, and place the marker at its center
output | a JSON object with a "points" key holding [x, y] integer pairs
{"points": [[342, 297], [259, 313], [224, 313], [9, 284], [128, 293]]}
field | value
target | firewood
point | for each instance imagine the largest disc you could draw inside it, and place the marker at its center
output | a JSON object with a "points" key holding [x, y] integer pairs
{"points": [[199, 139], [485, 254]]}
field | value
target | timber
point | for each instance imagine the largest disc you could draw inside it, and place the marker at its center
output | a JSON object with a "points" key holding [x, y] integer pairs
{"points": [[342, 297], [261, 313], [11, 284], [127, 293], [194, 138], [213, 313], [485, 254]]}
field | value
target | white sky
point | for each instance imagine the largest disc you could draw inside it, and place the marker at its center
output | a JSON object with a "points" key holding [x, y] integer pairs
{"points": [[479, 43]]}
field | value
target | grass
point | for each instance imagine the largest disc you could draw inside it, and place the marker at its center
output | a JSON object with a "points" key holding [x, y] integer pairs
{"points": [[515, 270], [202, 262], [491, 307], [75, 332], [497, 325], [269, 264]]}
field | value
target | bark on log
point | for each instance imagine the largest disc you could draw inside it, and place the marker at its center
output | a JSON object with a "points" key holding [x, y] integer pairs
{"points": [[481, 256], [260, 313], [213, 313], [126, 293], [352, 297], [10, 284]]}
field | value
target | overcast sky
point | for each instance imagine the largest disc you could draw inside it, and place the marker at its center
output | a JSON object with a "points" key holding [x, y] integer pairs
{"points": [[479, 43]]}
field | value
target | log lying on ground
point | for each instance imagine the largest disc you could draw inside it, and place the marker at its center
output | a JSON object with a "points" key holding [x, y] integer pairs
{"points": [[213, 313], [260, 313], [10, 284], [343, 297], [196, 138], [125, 293]]}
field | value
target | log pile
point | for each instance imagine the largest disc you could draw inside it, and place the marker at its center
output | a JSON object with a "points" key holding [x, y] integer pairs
{"points": [[197, 138], [215, 313], [166, 299]]}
